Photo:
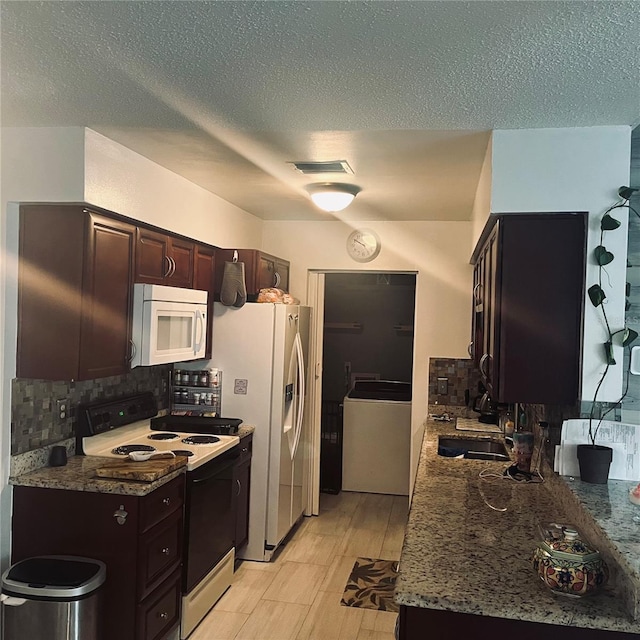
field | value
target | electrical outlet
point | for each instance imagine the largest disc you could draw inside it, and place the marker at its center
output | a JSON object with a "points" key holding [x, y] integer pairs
{"points": [[240, 386], [62, 407], [443, 384]]}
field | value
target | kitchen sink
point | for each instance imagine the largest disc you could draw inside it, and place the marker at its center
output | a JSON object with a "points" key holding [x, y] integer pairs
{"points": [[473, 449]]}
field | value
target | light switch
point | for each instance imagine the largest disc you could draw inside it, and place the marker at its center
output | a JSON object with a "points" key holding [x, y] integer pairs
{"points": [[443, 384]]}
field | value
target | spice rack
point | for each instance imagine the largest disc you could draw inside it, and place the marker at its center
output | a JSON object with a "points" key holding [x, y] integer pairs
{"points": [[196, 392]]}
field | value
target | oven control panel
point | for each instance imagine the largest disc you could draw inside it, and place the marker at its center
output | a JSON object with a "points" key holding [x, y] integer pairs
{"points": [[101, 416]]}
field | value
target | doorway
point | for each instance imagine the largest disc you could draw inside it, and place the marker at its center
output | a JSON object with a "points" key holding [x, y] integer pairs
{"points": [[366, 334]]}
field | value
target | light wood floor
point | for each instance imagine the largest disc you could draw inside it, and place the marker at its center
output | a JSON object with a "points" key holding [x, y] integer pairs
{"points": [[297, 596]]}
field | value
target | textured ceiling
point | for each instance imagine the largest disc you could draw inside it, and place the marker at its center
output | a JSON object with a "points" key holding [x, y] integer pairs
{"points": [[225, 93]]}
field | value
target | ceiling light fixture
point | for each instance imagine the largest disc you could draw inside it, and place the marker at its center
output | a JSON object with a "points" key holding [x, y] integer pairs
{"points": [[332, 196]]}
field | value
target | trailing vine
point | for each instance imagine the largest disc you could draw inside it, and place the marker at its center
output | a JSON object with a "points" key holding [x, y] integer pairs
{"points": [[597, 296]]}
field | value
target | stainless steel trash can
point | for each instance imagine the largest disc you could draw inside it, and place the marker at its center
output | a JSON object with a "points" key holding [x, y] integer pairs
{"points": [[52, 598]]}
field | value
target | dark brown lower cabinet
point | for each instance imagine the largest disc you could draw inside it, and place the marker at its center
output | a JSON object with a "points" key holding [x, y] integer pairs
{"points": [[433, 624], [242, 482], [138, 538]]}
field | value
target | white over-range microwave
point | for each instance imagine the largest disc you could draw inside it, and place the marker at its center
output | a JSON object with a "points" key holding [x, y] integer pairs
{"points": [[169, 324]]}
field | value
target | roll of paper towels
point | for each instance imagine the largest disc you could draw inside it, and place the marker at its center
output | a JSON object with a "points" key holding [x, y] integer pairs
{"points": [[634, 365]]}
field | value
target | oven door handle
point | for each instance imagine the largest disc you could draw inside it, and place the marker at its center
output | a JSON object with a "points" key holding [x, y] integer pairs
{"points": [[216, 473]]}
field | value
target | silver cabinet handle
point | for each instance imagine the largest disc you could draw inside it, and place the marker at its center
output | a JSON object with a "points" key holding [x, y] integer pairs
{"points": [[476, 298], [470, 349], [133, 351], [276, 280], [166, 551], [166, 501], [163, 615], [173, 266], [239, 487], [167, 273], [484, 359], [120, 515]]}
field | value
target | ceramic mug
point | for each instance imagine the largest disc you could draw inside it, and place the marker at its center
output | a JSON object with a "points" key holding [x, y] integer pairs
{"points": [[58, 456]]}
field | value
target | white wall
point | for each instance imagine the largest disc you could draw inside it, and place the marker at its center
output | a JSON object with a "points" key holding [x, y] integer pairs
{"points": [[38, 164], [437, 251], [482, 202], [573, 170], [78, 165], [125, 182]]}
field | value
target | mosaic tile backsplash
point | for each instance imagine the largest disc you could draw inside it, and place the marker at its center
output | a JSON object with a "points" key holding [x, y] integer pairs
{"points": [[34, 414], [461, 375]]}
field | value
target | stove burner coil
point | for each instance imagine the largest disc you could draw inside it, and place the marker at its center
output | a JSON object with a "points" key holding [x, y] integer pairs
{"points": [[183, 452], [163, 436], [126, 449], [200, 440]]}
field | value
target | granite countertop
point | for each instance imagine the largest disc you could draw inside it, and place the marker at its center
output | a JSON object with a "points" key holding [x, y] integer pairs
{"points": [[245, 430], [469, 540], [79, 475], [30, 470]]}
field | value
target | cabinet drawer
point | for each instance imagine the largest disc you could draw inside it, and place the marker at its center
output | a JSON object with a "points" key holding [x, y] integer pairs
{"points": [[245, 448], [160, 612], [161, 503], [159, 553]]}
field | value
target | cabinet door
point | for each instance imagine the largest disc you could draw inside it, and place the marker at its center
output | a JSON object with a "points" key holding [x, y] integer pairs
{"points": [[50, 291], [181, 255], [106, 298], [152, 257], [540, 285], [282, 274], [273, 272], [484, 309], [56, 521], [204, 279], [492, 311], [477, 338], [266, 273], [241, 481]]}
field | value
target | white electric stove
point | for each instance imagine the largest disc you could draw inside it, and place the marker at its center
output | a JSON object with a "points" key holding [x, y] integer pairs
{"points": [[138, 436]]}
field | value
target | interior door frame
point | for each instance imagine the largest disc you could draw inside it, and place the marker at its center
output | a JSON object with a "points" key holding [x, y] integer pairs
{"points": [[315, 299]]}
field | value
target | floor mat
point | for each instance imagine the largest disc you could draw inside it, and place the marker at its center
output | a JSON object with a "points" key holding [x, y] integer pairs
{"points": [[371, 585]]}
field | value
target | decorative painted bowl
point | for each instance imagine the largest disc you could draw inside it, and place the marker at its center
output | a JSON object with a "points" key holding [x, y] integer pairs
{"points": [[567, 564]]}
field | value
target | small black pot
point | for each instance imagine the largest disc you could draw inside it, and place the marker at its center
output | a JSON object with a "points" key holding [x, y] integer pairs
{"points": [[594, 461]]}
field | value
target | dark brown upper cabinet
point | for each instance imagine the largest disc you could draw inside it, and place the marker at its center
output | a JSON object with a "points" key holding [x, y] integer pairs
{"points": [[164, 259], [75, 279], [528, 300], [204, 279], [262, 271]]}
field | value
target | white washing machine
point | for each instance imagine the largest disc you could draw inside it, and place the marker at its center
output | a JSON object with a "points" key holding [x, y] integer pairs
{"points": [[377, 437]]}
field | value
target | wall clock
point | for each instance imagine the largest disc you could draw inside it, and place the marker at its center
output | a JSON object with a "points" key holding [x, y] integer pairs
{"points": [[363, 245]]}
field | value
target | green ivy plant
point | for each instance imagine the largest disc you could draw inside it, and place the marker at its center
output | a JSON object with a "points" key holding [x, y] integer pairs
{"points": [[625, 336]]}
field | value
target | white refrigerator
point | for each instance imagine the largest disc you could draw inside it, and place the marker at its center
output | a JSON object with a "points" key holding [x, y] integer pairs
{"points": [[262, 350]]}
